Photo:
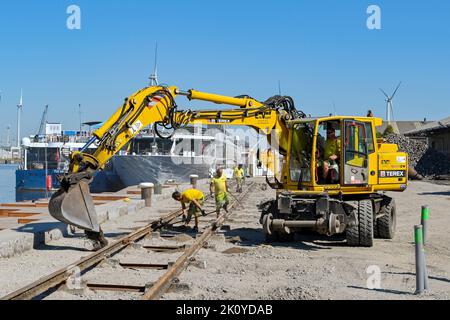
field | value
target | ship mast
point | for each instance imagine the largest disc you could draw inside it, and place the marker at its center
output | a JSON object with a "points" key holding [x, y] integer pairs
{"points": [[154, 82], [19, 111]]}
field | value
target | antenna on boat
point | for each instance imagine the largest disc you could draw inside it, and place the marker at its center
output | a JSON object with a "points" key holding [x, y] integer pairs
{"points": [[19, 111], [154, 82]]}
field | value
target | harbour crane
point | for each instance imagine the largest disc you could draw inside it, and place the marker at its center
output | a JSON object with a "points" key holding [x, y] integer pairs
{"points": [[41, 132]]}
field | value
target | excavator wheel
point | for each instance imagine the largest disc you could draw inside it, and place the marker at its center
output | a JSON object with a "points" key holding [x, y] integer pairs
{"points": [[362, 234], [386, 224]]}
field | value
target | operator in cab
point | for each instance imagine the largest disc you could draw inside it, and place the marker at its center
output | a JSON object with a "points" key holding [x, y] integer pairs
{"points": [[332, 151]]}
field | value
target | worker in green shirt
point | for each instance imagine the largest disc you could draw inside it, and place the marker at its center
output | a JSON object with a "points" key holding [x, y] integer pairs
{"points": [[238, 174], [219, 187]]}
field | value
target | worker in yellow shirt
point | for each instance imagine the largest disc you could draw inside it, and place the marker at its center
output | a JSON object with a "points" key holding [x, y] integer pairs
{"points": [[332, 153], [219, 186], [195, 199], [238, 174]]}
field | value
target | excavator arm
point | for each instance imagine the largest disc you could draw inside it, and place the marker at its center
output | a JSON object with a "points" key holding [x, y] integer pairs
{"points": [[73, 204]]}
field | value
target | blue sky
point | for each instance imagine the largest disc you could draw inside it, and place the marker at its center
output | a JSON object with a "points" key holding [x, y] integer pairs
{"points": [[321, 51]]}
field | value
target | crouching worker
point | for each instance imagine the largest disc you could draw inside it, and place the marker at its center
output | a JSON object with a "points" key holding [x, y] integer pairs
{"points": [[219, 186], [195, 199]]}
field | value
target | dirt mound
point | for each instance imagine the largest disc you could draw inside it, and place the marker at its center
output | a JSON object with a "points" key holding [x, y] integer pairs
{"points": [[426, 161]]}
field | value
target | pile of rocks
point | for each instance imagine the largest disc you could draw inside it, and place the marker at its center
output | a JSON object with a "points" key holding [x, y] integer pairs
{"points": [[426, 161]]}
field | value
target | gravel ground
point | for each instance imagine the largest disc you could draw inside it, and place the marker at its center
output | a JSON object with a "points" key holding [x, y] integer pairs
{"points": [[31, 265], [238, 264], [316, 267]]}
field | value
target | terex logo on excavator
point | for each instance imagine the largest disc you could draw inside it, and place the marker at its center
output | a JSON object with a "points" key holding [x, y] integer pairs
{"points": [[392, 174]]}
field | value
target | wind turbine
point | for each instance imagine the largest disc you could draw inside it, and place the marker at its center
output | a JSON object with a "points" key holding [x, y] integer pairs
{"points": [[8, 129], [19, 111], [389, 105], [154, 76]]}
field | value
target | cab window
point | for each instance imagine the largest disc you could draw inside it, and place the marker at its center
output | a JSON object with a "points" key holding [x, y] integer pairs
{"points": [[301, 152], [355, 144], [369, 138]]}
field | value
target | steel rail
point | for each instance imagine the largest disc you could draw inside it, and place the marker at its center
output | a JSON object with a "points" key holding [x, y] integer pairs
{"points": [[165, 281], [58, 277]]}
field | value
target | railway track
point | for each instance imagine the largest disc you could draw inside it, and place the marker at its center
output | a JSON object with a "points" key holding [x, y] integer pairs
{"points": [[51, 283]]}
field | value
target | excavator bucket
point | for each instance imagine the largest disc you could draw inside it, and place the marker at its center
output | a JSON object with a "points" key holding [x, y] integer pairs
{"points": [[75, 206]]}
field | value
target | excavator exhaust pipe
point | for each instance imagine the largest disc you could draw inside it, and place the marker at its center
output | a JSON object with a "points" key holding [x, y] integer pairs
{"points": [[74, 205]]}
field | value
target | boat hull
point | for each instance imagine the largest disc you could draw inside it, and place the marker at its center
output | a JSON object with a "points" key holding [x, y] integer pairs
{"points": [[133, 170]]}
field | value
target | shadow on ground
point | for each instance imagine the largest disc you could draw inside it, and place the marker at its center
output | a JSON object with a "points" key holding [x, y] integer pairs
{"points": [[437, 193], [413, 274], [38, 230], [382, 290], [312, 242]]}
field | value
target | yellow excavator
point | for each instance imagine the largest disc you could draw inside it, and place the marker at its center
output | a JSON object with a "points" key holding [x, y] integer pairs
{"points": [[332, 178]]}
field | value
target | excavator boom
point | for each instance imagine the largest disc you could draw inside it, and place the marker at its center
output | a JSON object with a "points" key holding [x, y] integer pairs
{"points": [[73, 204]]}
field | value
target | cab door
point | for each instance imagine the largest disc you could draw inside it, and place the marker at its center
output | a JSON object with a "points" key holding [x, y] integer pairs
{"points": [[355, 153]]}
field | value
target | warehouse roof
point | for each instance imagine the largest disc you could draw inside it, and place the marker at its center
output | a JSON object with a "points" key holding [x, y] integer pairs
{"points": [[401, 127], [441, 125]]}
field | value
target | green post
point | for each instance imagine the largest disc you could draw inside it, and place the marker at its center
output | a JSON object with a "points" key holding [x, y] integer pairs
{"points": [[424, 222], [418, 240]]}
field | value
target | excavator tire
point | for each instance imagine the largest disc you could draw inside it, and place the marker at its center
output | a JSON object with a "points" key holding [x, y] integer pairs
{"points": [[365, 223], [352, 233], [362, 234], [386, 224]]}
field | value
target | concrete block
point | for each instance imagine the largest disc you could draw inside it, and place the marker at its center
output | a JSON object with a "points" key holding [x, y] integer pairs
{"points": [[140, 204], [123, 210], [53, 234], [113, 213], [102, 215], [132, 208], [13, 243]]}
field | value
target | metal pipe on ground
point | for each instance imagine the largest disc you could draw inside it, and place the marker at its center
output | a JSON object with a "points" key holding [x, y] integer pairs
{"points": [[421, 267], [146, 192], [425, 214]]}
